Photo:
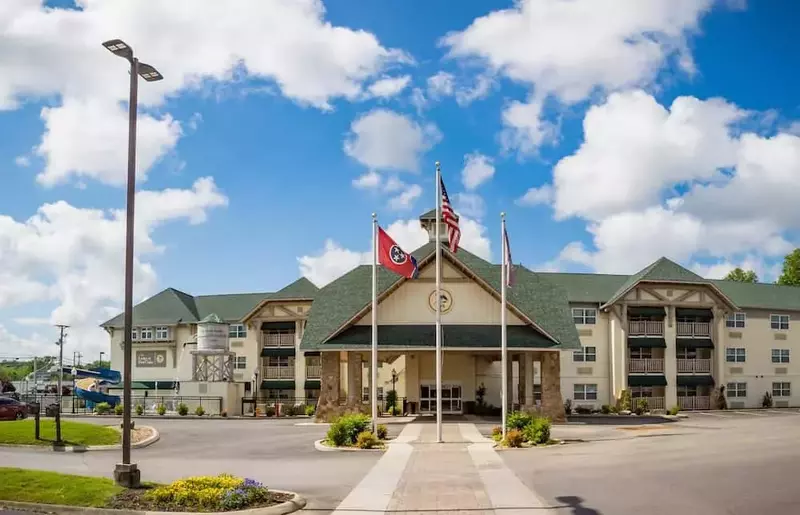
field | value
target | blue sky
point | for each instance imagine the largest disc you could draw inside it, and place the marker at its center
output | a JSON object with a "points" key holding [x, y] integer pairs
{"points": [[272, 137]]}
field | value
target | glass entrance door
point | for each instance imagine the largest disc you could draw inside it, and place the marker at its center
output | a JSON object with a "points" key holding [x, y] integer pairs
{"points": [[451, 398]]}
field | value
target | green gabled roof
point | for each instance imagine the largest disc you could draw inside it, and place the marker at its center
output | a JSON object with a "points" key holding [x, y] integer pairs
{"points": [[541, 300], [431, 215], [586, 288], [761, 295], [231, 308], [300, 289], [165, 308]]}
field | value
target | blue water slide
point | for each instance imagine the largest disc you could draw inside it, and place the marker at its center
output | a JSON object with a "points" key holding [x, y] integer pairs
{"points": [[105, 374], [93, 398]]}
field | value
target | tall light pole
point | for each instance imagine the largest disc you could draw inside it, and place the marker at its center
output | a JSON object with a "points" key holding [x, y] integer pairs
{"points": [[127, 474], [101, 358]]}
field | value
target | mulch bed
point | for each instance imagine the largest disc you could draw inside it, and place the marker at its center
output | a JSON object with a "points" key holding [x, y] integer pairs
{"points": [[135, 500]]}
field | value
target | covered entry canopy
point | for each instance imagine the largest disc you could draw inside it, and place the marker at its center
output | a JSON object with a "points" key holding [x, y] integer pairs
{"points": [[453, 336]]}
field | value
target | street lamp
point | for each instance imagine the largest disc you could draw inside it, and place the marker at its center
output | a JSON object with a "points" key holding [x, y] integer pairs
{"points": [[101, 358], [126, 473]]}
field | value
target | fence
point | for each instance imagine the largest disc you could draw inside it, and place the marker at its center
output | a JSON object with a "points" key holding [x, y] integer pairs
{"points": [[76, 405]]}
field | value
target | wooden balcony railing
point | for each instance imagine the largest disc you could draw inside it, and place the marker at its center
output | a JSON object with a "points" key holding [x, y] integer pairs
{"points": [[653, 403], [646, 328], [694, 330], [279, 339], [313, 371], [690, 403], [646, 366], [279, 372], [694, 366]]}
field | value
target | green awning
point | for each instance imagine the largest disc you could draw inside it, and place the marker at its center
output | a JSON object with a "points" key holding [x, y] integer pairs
{"points": [[313, 384], [277, 385], [694, 343], [647, 341], [277, 326], [277, 351], [694, 312], [150, 385], [453, 336], [647, 380], [646, 311], [696, 380], [312, 353]]}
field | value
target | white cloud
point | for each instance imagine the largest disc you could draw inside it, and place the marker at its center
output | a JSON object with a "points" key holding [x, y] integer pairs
{"points": [[22, 161], [470, 204], [478, 169], [442, 84], [720, 269], [386, 140], [685, 182], [74, 256], [406, 198], [334, 260], [445, 84], [524, 126], [568, 50], [389, 86], [367, 181], [535, 196], [56, 52]]}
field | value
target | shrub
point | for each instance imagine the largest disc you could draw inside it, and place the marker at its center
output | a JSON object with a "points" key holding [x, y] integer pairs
{"points": [[118, 409], [514, 438], [209, 493], [366, 440], [382, 432], [538, 431], [605, 409], [183, 409], [199, 411], [161, 410], [391, 402], [583, 410], [497, 430], [674, 410], [518, 420], [270, 411], [223, 414], [310, 410], [568, 406], [289, 410], [139, 410], [720, 402], [345, 429], [766, 402], [624, 402], [249, 493], [641, 406], [614, 409], [394, 411], [102, 408]]}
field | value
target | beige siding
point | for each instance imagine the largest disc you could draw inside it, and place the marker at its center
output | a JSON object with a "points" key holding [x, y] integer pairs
{"points": [[597, 372]]}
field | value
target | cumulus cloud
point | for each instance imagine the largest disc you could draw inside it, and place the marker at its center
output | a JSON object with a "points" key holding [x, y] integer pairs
{"points": [[536, 196], [388, 87], [478, 169]]}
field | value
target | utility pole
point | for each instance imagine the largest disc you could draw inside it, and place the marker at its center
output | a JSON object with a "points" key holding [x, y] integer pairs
{"points": [[62, 328]]}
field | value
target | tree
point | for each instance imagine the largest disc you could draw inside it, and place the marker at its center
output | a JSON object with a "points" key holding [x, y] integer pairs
{"points": [[742, 276], [790, 275]]}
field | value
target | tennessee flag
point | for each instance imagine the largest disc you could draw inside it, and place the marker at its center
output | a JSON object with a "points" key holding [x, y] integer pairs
{"points": [[391, 256]]}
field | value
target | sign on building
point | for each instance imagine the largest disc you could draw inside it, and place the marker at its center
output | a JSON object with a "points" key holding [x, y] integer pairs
{"points": [[151, 358]]}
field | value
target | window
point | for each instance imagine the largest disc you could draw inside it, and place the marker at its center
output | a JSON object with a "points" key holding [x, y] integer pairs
{"points": [[585, 392], [146, 333], [237, 331], [779, 322], [365, 393], [737, 320], [240, 363], [134, 334], [312, 396], [585, 355], [686, 353], [782, 389], [584, 316], [780, 355], [162, 333], [737, 390], [735, 355], [279, 394], [638, 392]]}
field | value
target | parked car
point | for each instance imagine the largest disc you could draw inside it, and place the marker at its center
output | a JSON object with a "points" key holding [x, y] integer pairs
{"points": [[12, 409]]}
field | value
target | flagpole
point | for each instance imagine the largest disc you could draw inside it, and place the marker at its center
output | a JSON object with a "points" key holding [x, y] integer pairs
{"points": [[503, 333], [438, 304], [373, 396]]}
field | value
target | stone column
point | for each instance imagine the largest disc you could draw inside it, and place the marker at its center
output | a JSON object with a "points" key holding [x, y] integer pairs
{"points": [[718, 355], [527, 374], [552, 402], [354, 380], [328, 403], [299, 365], [523, 400], [670, 360]]}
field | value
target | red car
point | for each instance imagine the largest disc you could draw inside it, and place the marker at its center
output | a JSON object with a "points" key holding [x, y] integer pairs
{"points": [[12, 409]]}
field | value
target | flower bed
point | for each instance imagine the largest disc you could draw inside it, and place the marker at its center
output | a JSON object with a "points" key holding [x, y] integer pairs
{"points": [[202, 494], [353, 430], [524, 430]]}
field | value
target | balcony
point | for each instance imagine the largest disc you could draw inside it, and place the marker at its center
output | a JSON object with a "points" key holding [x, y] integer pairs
{"points": [[694, 366], [279, 340], [646, 366], [692, 403], [279, 372], [313, 371], [694, 330], [646, 328]]}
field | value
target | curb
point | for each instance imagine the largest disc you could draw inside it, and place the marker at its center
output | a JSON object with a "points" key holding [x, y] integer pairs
{"points": [[296, 503], [153, 438], [318, 445], [498, 447]]}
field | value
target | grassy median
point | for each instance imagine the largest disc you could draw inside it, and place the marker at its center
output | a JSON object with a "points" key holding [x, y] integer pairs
{"points": [[52, 488], [21, 432]]}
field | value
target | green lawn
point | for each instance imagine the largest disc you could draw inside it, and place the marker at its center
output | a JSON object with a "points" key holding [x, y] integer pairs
{"points": [[53, 488], [21, 432]]}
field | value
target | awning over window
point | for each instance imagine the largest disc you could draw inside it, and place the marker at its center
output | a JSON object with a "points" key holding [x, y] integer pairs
{"points": [[277, 351], [277, 326], [313, 384], [646, 311], [277, 385], [647, 341], [694, 343], [648, 380], [150, 385], [696, 380], [694, 312]]}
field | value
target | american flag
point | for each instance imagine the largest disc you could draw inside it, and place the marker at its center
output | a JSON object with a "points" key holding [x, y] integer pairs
{"points": [[450, 219], [509, 278]]}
